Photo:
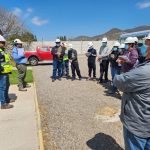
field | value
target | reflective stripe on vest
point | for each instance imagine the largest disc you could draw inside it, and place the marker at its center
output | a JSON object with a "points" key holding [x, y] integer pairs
{"points": [[6, 65]]}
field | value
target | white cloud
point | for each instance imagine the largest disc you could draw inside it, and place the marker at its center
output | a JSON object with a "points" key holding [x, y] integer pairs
{"points": [[23, 14], [29, 10], [143, 5], [17, 11], [39, 22]]}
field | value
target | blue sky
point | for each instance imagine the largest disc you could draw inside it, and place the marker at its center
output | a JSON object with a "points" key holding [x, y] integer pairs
{"points": [[51, 18]]}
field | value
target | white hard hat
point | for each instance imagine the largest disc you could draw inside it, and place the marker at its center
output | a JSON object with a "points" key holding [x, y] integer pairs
{"points": [[148, 37], [70, 46], [57, 41], [18, 41], [117, 44], [104, 40], [129, 40], [90, 44], [122, 46], [2, 39], [135, 39]]}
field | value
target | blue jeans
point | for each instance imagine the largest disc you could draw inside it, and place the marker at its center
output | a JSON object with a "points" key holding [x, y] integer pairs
{"points": [[4, 88], [133, 142], [65, 68], [57, 65], [114, 71]]}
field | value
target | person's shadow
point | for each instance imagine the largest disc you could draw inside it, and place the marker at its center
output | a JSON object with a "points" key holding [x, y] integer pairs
{"points": [[102, 141]]}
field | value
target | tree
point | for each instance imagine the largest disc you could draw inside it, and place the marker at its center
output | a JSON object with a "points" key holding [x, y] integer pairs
{"points": [[25, 37], [9, 23]]}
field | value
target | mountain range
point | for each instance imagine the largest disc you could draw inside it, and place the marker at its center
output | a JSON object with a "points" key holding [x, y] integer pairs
{"points": [[112, 34]]}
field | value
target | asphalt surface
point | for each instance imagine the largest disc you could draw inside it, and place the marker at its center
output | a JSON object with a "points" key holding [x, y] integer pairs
{"points": [[69, 109]]}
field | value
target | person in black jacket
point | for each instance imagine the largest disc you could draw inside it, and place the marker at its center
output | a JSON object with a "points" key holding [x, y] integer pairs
{"points": [[58, 53], [91, 54], [72, 55], [115, 68]]}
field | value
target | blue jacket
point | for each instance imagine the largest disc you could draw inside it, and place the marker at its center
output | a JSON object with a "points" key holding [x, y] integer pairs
{"points": [[19, 59]]}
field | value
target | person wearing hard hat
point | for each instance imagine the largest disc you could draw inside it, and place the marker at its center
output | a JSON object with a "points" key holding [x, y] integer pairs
{"points": [[91, 54], [58, 53], [115, 67], [135, 110], [73, 58], [5, 69], [130, 59], [104, 60], [122, 49], [20, 60], [65, 65]]}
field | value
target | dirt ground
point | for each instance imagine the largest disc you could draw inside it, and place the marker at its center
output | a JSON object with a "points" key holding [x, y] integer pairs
{"points": [[70, 112]]}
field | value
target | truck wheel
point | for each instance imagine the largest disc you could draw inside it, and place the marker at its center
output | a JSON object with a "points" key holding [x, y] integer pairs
{"points": [[33, 61]]}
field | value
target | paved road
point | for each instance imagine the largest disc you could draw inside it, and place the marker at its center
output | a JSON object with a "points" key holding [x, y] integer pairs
{"points": [[69, 109], [18, 126]]}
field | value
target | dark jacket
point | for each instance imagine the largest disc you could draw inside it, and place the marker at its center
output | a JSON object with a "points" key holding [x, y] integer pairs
{"points": [[135, 110], [54, 51], [113, 58], [72, 55], [92, 56], [2, 59]]}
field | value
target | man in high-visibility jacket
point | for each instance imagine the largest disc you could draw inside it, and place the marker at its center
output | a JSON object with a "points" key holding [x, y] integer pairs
{"points": [[5, 69], [65, 66]]}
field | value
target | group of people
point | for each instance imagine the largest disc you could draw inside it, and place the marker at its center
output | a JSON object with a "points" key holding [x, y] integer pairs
{"points": [[6, 68], [61, 59], [130, 71], [122, 58]]}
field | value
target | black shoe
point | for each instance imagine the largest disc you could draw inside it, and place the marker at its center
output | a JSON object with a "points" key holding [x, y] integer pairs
{"points": [[53, 80], [6, 106], [100, 81], [59, 79], [111, 92], [22, 89], [105, 81], [27, 86], [73, 78], [80, 78]]}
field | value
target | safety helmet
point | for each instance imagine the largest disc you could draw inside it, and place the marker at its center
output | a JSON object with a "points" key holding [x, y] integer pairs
{"points": [[122, 46], [148, 37], [57, 41], [104, 40], [18, 41], [90, 44], [2, 39], [135, 39], [116, 44], [129, 40]]}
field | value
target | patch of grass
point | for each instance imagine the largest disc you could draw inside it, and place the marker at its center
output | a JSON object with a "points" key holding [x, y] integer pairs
{"points": [[14, 77]]}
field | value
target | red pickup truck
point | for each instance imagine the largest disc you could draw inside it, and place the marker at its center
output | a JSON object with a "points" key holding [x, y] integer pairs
{"points": [[40, 54]]}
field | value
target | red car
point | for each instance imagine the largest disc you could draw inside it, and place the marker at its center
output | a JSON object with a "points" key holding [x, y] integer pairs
{"points": [[41, 54]]}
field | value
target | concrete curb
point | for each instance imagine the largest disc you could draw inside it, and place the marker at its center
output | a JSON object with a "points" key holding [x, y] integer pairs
{"points": [[38, 118]]}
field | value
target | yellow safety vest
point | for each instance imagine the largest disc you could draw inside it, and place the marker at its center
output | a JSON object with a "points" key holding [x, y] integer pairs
{"points": [[66, 55], [6, 64]]}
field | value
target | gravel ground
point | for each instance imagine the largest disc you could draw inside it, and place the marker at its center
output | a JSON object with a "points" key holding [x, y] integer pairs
{"points": [[69, 109]]}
